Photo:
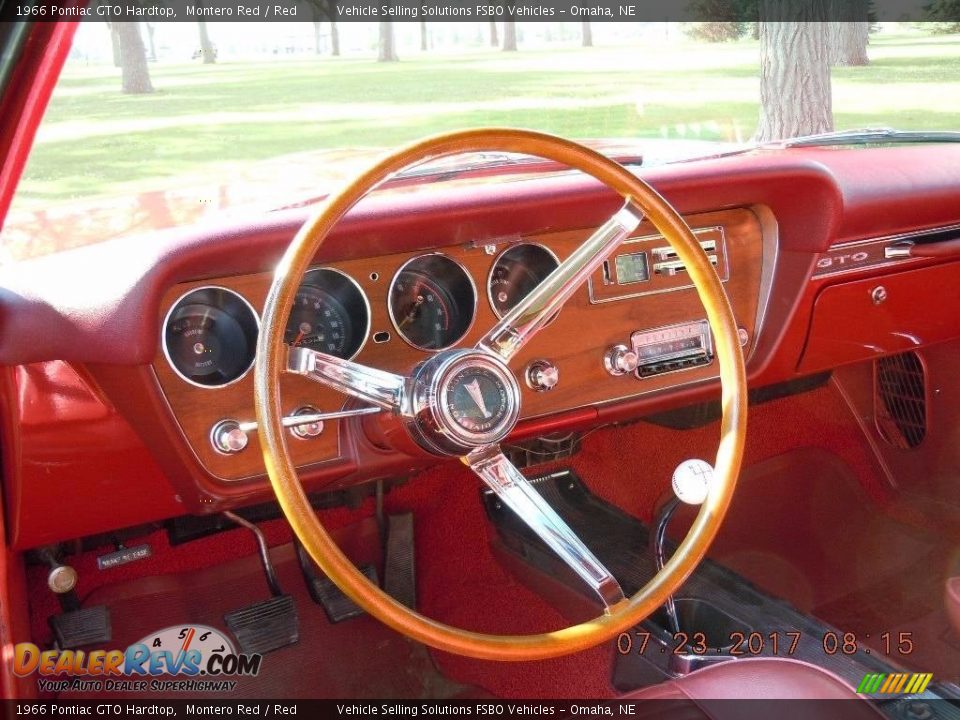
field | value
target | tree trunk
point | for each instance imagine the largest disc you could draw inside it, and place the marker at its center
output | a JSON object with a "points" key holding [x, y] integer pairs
{"points": [[133, 59], [848, 43], [509, 36], [115, 44], [494, 39], [334, 39], [387, 52], [153, 48], [849, 31], [206, 47], [317, 48], [795, 92], [587, 34], [423, 35]]}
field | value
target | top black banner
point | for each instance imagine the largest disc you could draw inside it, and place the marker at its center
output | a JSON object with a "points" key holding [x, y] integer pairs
{"points": [[480, 10]]}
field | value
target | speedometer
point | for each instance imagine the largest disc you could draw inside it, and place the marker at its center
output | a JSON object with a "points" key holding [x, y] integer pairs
{"points": [[432, 302], [330, 314], [516, 273]]}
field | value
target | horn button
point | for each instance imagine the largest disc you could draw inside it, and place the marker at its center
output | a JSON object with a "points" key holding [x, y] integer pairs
{"points": [[464, 399]]}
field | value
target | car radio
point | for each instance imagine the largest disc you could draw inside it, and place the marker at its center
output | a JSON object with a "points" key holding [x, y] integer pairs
{"points": [[673, 347]]}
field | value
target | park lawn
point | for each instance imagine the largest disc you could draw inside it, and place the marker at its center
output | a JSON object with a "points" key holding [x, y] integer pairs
{"points": [[206, 121]]}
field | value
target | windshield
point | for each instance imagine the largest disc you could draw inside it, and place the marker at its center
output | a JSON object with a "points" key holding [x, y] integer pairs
{"points": [[160, 124]]}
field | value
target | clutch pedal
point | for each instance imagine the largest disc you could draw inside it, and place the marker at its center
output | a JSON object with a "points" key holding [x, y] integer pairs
{"points": [[76, 628], [269, 624]]}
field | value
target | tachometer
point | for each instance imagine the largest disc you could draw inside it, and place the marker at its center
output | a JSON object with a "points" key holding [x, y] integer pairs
{"points": [[432, 302], [210, 336], [330, 314], [515, 274]]}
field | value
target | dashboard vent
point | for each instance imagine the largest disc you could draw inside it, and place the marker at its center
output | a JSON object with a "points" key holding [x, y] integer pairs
{"points": [[901, 400]]}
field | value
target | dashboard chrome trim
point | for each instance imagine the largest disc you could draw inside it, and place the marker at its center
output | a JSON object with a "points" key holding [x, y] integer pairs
{"points": [[870, 253]]}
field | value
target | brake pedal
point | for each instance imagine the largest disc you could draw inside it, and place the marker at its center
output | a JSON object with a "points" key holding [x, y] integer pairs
{"points": [[269, 624], [76, 628]]}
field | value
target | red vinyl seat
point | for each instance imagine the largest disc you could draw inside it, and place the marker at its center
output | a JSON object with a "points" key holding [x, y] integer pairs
{"points": [[953, 602], [754, 680]]}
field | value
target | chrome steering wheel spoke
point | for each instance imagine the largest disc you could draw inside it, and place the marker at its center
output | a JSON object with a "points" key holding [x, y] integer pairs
{"points": [[519, 495], [377, 387], [518, 326]]}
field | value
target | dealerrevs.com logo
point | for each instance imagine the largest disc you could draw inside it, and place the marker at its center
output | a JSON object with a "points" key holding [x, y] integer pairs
{"points": [[180, 658]]}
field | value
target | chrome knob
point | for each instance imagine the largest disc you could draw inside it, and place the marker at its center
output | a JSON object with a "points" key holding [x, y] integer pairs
{"points": [[228, 437], [62, 579], [310, 429], [542, 375], [620, 360]]}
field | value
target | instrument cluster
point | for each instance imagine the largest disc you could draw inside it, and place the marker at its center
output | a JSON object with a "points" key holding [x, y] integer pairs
{"points": [[210, 333]]}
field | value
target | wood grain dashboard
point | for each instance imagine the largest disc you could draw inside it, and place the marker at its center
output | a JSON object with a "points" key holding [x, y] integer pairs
{"points": [[595, 319]]}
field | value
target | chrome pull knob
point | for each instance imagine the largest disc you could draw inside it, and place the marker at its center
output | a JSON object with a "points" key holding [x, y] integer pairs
{"points": [[310, 427], [542, 375], [620, 360], [228, 437]]}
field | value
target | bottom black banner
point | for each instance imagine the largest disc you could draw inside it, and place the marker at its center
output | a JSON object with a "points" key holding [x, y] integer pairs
{"points": [[902, 709]]}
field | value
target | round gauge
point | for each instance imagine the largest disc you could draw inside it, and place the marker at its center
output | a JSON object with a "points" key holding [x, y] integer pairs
{"points": [[515, 274], [210, 336], [432, 302], [330, 314]]}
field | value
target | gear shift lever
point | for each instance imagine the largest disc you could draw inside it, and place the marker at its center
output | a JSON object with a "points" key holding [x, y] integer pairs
{"points": [[691, 484]]}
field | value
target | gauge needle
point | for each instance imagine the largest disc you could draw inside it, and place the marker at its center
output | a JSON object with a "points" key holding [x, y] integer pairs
{"points": [[413, 311], [298, 339], [473, 389]]}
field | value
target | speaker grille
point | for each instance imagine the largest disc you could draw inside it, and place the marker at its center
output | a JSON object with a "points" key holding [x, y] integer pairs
{"points": [[901, 400]]}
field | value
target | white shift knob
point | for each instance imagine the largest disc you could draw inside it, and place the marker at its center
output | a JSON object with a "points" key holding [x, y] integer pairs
{"points": [[692, 480]]}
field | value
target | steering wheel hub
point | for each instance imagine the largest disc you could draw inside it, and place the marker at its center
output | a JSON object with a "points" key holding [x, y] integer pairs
{"points": [[463, 400]]}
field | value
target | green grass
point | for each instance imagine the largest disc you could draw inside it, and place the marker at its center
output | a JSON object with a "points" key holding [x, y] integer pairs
{"points": [[204, 121]]}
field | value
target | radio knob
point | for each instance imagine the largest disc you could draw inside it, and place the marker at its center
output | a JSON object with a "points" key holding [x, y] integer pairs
{"points": [[542, 375], [620, 360]]}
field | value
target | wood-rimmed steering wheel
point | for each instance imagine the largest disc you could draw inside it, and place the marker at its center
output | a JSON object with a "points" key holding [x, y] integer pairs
{"points": [[420, 402]]}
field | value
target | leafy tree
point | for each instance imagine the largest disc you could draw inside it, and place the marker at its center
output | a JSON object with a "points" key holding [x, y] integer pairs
{"points": [[944, 16], [723, 20], [717, 31]]}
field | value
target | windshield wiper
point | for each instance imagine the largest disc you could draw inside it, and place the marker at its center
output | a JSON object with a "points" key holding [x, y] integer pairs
{"points": [[868, 136]]}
